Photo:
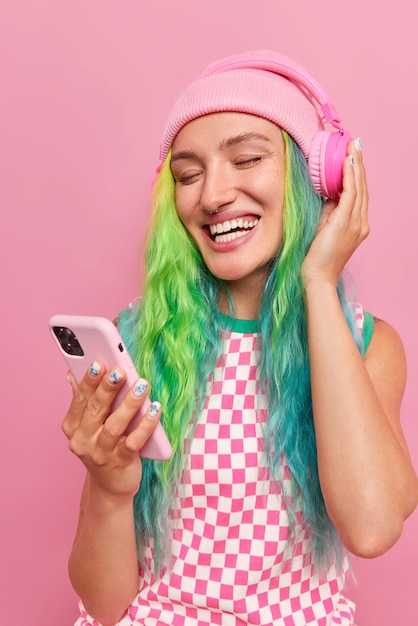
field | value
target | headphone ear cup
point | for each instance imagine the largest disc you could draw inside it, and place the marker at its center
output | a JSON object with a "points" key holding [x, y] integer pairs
{"points": [[326, 156]]}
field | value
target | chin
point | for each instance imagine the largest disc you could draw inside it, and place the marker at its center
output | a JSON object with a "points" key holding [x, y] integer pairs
{"points": [[239, 275]]}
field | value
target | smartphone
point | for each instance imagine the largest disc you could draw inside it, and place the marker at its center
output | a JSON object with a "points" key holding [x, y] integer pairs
{"points": [[83, 339]]}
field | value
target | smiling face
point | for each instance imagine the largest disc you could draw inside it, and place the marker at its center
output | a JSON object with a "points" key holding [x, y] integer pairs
{"points": [[232, 163]]}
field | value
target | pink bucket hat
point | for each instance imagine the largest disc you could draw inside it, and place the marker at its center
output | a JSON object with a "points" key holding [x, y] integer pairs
{"points": [[248, 90]]}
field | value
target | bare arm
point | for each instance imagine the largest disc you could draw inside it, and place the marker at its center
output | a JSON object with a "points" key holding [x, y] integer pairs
{"points": [[103, 563], [366, 475], [103, 566]]}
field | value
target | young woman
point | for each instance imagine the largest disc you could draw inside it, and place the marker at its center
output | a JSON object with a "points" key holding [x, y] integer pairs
{"points": [[280, 396]]}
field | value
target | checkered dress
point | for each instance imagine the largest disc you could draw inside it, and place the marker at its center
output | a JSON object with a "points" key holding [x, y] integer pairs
{"points": [[230, 542]]}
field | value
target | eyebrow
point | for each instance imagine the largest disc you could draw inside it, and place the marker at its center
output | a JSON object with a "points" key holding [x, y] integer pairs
{"points": [[243, 137], [226, 143]]}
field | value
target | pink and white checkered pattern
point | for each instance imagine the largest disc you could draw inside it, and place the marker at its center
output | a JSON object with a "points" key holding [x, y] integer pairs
{"points": [[358, 318], [231, 566]]}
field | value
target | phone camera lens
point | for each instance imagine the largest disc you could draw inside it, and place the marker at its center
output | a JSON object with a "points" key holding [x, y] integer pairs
{"points": [[68, 341]]}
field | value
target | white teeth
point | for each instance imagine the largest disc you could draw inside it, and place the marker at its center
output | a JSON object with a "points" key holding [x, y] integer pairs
{"points": [[225, 227], [231, 236]]}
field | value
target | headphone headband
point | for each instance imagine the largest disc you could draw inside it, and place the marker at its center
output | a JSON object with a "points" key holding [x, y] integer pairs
{"points": [[284, 68]]}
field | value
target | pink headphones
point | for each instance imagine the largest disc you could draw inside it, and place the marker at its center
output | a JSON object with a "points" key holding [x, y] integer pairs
{"points": [[328, 148]]}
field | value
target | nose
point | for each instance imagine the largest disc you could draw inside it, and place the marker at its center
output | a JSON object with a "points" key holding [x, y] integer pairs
{"points": [[218, 188]]}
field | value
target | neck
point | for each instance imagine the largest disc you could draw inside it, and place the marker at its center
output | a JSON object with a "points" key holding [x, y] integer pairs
{"points": [[246, 298]]}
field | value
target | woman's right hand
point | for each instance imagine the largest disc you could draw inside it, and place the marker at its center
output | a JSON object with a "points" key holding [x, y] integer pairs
{"points": [[97, 437]]}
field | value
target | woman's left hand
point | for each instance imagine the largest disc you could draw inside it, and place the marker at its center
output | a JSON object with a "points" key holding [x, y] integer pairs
{"points": [[342, 226]]}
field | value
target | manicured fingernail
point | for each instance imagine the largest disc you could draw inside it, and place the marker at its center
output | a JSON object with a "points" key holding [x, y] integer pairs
{"points": [[154, 408], [358, 145], [69, 378], [94, 369], [351, 159], [140, 387], [114, 377]]}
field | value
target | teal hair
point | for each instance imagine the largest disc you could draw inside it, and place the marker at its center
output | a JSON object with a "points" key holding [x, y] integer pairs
{"points": [[285, 367], [176, 342]]}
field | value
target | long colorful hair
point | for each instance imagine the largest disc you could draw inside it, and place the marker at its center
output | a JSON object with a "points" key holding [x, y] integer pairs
{"points": [[175, 337]]}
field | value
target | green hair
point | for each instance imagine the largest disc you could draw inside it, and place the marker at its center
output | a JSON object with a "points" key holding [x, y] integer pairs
{"points": [[175, 343], [175, 338]]}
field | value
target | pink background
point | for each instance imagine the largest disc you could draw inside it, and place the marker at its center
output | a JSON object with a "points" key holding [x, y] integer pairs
{"points": [[86, 86]]}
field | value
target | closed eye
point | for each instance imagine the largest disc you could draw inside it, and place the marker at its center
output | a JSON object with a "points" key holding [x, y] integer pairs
{"points": [[248, 162], [187, 178]]}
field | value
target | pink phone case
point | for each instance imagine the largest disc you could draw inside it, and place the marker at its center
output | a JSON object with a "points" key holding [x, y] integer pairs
{"points": [[100, 341]]}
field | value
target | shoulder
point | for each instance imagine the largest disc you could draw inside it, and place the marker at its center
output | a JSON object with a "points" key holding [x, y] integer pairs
{"points": [[385, 359], [385, 339], [385, 362]]}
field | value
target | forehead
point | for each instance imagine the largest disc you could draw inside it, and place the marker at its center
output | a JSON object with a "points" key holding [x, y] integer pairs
{"points": [[221, 128]]}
